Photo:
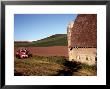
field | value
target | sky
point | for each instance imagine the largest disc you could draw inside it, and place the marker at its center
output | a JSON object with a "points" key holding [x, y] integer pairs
{"points": [[29, 27]]}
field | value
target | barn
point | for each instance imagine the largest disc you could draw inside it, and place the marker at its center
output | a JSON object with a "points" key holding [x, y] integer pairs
{"points": [[82, 39]]}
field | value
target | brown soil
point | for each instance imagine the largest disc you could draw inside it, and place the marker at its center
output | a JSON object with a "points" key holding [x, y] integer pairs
{"points": [[48, 51]]}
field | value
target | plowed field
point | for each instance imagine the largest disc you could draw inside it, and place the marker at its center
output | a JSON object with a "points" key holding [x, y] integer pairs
{"points": [[48, 51]]}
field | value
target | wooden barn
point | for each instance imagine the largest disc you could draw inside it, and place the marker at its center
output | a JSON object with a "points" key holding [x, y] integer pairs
{"points": [[82, 39]]}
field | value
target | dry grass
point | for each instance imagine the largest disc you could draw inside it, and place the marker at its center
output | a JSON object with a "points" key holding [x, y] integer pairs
{"points": [[37, 66], [51, 66], [87, 70]]}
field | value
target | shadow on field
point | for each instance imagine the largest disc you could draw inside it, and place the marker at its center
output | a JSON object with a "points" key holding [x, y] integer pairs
{"points": [[70, 68], [17, 73]]}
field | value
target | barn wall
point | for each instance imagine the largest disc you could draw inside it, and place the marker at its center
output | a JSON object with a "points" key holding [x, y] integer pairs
{"points": [[82, 39], [83, 55]]}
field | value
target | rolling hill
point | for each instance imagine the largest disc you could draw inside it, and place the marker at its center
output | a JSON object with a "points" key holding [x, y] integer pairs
{"points": [[54, 40]]}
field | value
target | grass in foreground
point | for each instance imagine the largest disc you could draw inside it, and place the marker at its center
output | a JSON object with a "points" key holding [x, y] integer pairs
{"points": [[51, 66], [38, 65], [86, 70]]}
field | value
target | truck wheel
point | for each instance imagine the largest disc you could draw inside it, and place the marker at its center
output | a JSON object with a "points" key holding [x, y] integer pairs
{"points": [[30, 55]]}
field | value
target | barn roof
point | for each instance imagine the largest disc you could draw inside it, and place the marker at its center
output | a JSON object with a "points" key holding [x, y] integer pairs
{"points": [[84, 31]]}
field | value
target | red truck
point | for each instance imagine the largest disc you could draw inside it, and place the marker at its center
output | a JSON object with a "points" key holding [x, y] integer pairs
{"points": [[23, 53]]}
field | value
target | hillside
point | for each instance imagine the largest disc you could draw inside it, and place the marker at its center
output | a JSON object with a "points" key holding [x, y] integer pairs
{"points": [[54, 40]]}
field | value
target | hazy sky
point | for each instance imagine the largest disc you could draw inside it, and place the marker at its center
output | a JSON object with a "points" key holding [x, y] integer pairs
{"points": [[38, 26]]}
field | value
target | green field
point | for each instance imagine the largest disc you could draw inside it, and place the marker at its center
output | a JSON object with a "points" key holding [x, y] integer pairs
{"points": [[54, 40], [51, 66]]}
